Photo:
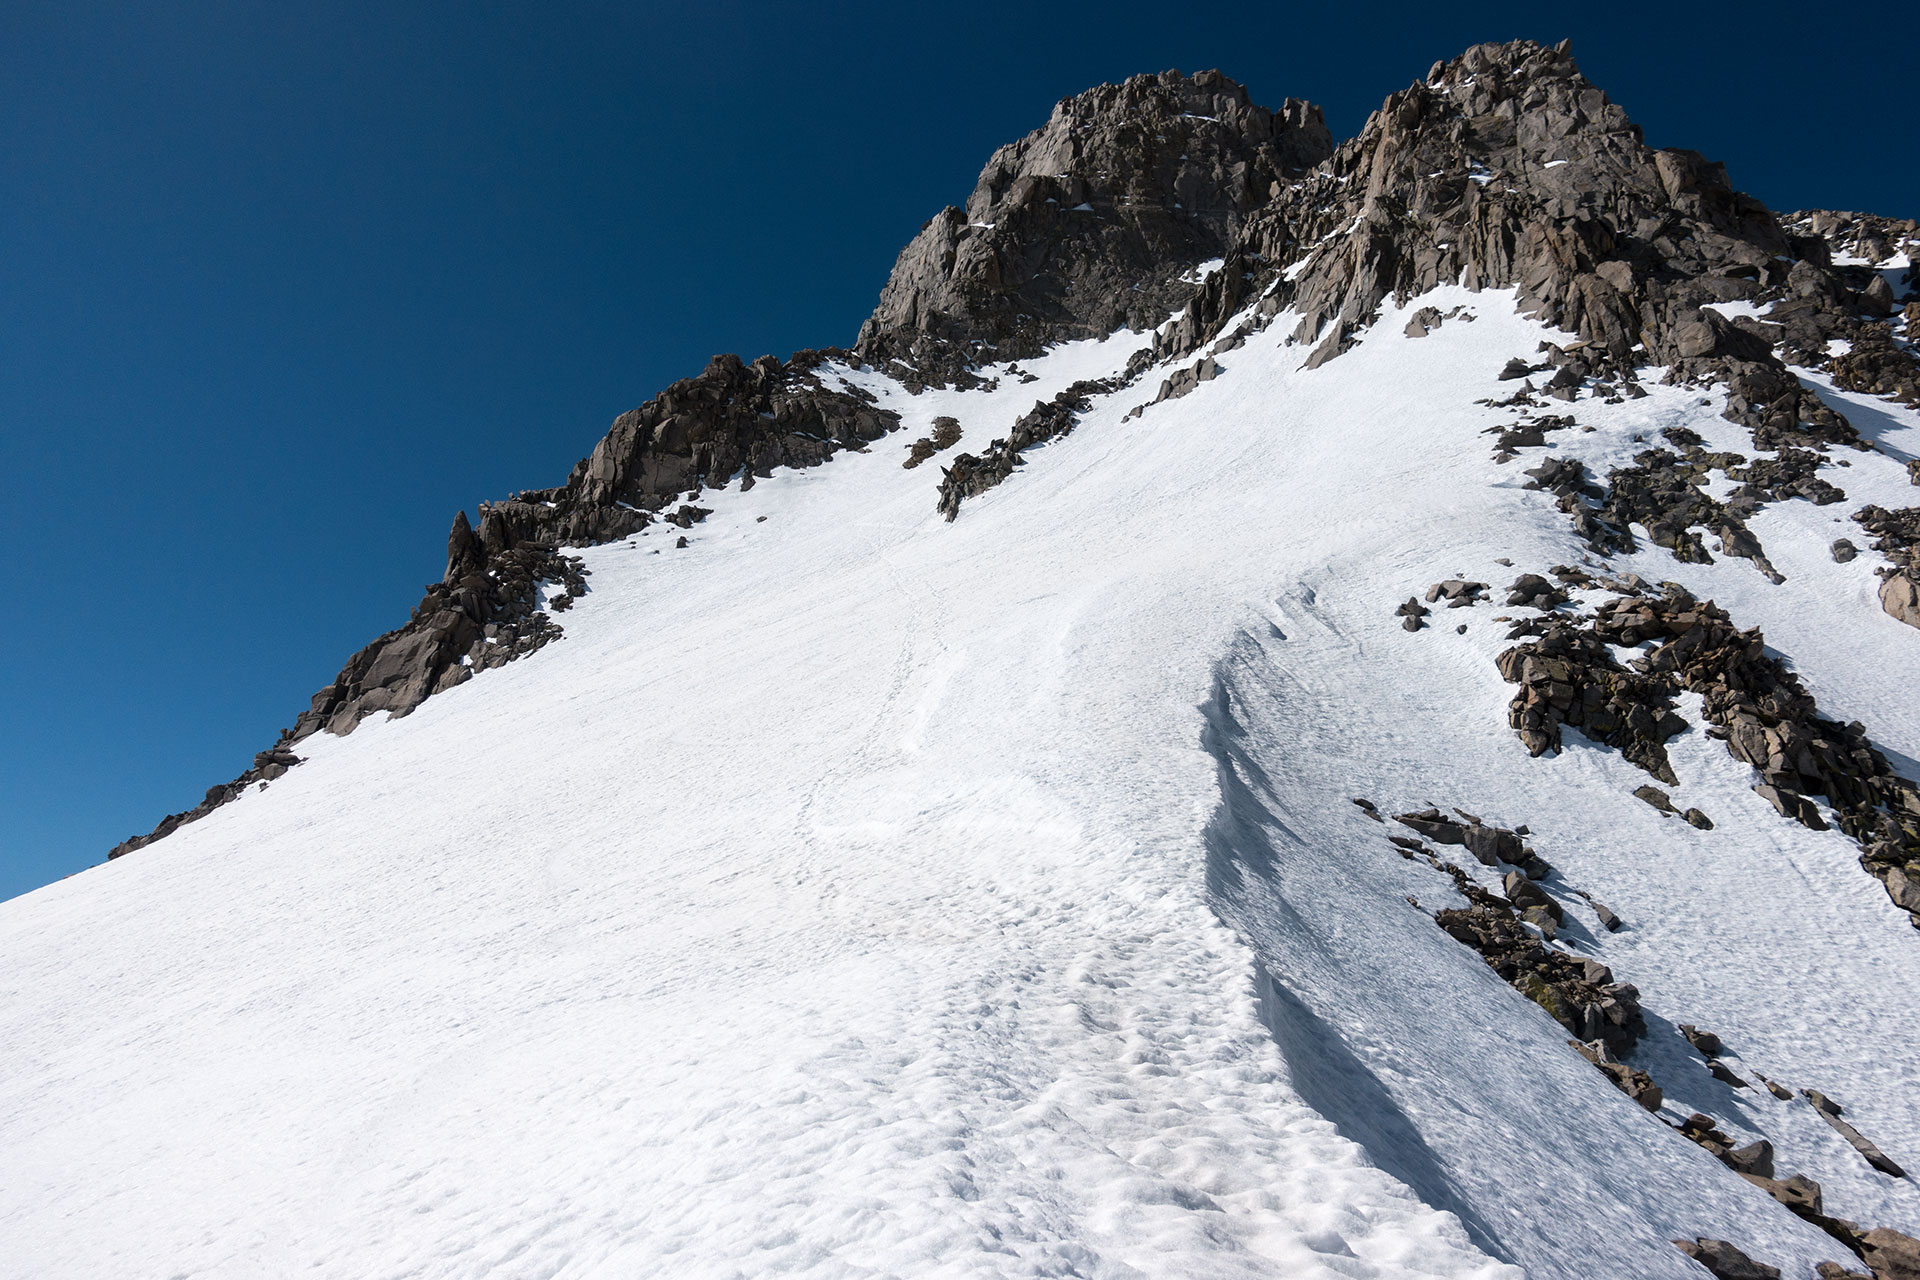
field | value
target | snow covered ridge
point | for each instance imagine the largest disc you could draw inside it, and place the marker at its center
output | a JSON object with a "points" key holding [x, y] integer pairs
{"points": [[1504, 167], [1365, 769], [845, 895]]}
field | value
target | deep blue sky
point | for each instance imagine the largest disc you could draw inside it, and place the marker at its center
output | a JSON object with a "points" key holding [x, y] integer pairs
{"points": [[282, 286]]}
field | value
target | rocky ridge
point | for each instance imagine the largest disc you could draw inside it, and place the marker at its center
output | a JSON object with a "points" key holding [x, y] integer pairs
{"points": [[971, 475], [492, 605]]}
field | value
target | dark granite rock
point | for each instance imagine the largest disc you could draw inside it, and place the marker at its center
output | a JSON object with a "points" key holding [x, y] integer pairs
{"points": [[1834, 1271], [1890, 1254], [946, 434], [1757, 707], [970, 476], [1553, 979], [1755, 1158], [1090, 224], [1655, 797], [1424, 322], [1830, 1111], [1726, 1262]]}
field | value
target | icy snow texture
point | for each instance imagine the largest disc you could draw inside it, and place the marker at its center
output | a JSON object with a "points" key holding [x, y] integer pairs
{"points": [[839, 898]]}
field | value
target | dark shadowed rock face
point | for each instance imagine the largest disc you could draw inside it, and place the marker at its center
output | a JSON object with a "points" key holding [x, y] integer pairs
{"points": [[1087, 225]]}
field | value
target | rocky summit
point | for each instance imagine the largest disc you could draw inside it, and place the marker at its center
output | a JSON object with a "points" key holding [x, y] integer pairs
{"points": [[1288, 707]]}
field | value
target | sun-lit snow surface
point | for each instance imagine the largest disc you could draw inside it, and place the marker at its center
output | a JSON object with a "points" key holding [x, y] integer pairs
{"points": [[834, 900]]}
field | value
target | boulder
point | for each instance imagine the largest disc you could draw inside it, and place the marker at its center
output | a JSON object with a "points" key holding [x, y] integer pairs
{"points": [[1834, 1271], [1493, 845], [1755, 1158], [1900, 597], [1424, 322], [1830, 1111], [1726, 1075], [1705, 1041], [1726, 1262], [1655, 797], [1526, 895], [1532, 591], [1890, 1254]]}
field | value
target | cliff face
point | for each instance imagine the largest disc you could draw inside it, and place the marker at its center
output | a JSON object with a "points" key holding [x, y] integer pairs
{"points": [[1502, 167], [1087, 225]]}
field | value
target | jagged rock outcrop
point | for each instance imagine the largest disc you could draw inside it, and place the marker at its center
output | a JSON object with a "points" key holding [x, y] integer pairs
{"points": [[1580, 995], [267, 765], [1848, 340], [971, 475], [945, 435], [1514, 934], [1090, 223], [1665, 491], [1570, 676], [486, 611], [489, 614], [1755, 703], [733, 419], [1491, 846], [1506, 167]]}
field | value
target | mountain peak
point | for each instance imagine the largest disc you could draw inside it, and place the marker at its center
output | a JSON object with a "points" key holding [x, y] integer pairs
{"points": [[1188, 861], [1085, 225]]}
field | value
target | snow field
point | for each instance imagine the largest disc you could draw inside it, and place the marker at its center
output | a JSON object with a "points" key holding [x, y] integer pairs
{"points": [[839, 898]]}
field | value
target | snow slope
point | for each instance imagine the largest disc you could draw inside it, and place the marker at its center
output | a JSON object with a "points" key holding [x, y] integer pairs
{"points": [[844, 896]]}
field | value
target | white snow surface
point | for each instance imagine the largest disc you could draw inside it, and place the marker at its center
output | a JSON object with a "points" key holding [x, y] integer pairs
{"points": [[1738, 308], [853, 894]]}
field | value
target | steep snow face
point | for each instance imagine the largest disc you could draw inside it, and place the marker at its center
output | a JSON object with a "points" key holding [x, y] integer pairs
{"points": [[845, 896]]}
